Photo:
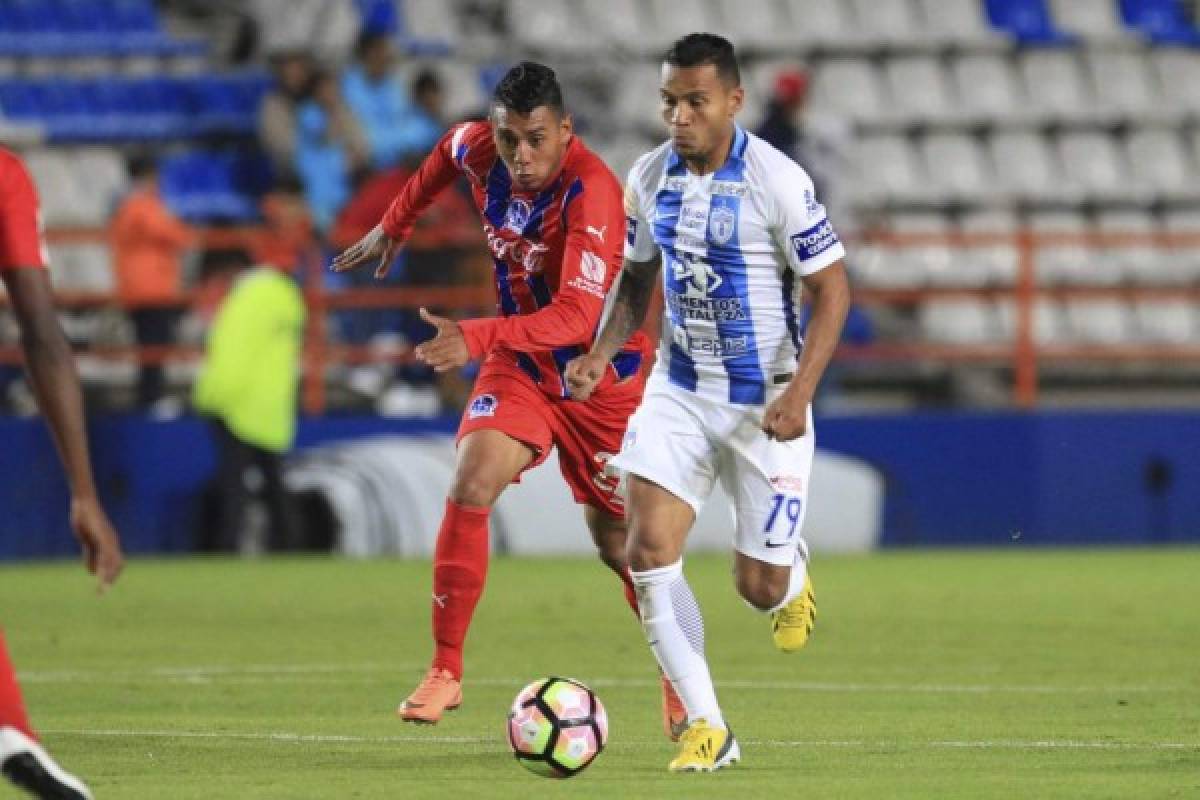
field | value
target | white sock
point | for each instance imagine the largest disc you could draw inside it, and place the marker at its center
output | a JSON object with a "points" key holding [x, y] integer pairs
{"points": [[796, 582], [675, 630]]}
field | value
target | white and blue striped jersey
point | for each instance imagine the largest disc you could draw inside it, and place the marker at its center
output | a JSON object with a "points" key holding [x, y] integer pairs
{"points": [[733, 243]]}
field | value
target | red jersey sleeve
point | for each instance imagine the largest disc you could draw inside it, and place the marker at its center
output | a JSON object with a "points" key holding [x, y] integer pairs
{"points": [[20, 224], [465, 148], [595, 232]]}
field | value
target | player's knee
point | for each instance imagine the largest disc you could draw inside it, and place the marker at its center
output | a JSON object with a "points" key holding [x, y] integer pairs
{"points": [[642, 555], [761, 591], [474, 490]]}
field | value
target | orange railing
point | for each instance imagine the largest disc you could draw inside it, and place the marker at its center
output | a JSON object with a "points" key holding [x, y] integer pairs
{"points": [[1024, 354]]}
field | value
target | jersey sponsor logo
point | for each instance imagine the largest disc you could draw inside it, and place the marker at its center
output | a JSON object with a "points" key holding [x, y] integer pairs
{"points": [[517, 216], [693, 219], [721, 222], [728, 188], [631, 226], [697, 275], [788, 483], [529, 255], [810, 203], [713, 346], [675, 183], [607, 478], [711, 309], [814, 241], [592, 270], [483, 406]]}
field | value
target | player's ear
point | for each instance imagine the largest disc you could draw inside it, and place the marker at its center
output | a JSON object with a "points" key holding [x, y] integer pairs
{"points": [[566, 125], [737, 99]]}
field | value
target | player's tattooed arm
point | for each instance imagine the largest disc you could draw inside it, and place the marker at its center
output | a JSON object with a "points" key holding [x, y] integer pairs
{"points": [[635, 287]]}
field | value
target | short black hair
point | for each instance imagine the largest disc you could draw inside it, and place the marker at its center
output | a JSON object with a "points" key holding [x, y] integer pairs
{"points": [[426, 81], [701, 49], [527, 86], [142, 165], [367, 40]]}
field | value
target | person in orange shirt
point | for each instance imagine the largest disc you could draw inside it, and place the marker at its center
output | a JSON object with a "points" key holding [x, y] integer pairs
{"points": [[148, 243]]}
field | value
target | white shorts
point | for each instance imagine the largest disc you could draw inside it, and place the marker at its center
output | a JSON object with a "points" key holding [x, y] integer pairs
{"points": [[684, 443]]}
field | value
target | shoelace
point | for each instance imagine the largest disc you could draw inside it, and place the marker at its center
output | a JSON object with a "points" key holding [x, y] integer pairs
{"points": [[434, 680]]}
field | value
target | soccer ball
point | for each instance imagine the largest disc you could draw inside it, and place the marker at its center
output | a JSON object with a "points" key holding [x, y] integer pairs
{"points": [[556, 727]]}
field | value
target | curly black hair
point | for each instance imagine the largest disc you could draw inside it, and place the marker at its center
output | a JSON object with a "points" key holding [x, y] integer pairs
{"points": [[701, 49], [527, 86]]}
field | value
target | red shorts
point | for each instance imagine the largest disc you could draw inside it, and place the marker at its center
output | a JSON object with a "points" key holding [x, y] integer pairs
{"points": [[587, 435]]}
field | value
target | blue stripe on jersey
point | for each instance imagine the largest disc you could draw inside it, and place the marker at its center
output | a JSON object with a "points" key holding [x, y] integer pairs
{"points": [[531, 369], [460, 155], [573, 191], [533, 226], [789, 305], [498, 193], [626, 363], [747, 385], [681, 369], [562, 355], [508, 302]]}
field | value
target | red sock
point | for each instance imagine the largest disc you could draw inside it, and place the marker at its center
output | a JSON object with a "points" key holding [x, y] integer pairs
{"points": [[460, 562], [12, 709], [630, 592]]}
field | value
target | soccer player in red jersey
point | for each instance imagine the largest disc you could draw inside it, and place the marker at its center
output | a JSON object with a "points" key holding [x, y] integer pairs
{"points": [[51, 370], [553, 216]]}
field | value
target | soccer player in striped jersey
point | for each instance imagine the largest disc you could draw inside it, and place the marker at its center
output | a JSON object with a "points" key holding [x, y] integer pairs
{"points": [[52, 373], [737, 232], [552, 215]]}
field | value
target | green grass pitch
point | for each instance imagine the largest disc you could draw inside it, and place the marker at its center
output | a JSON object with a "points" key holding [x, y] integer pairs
{"points": [[1021, 674]]}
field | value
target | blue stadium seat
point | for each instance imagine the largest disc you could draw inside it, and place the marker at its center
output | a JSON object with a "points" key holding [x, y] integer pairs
{"points": [[1161, 21], [1027, 21], [208, 187]]}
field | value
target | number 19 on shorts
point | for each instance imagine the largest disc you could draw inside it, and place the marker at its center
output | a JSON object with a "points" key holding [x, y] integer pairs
{"points": [[780, 529]]}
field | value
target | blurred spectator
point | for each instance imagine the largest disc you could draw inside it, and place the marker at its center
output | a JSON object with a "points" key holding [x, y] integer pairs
{"points": [[286, 236], [148, 243], [325, 28], [294, 73], [330, 150], [817, 144], [394, 126], [247, 390], [429, 101]]}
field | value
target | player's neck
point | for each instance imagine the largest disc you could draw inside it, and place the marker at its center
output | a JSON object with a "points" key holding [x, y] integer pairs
{"points": [[713, 159]]}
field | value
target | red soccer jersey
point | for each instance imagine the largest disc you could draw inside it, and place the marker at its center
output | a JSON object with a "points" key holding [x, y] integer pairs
{"points": [[556, 252], [20, 216]]}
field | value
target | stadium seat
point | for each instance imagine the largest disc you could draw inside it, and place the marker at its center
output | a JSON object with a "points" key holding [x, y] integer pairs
{"points": [[987, 89], [550, 27], [890, 23], [1073, 262], [84, 267], [429, 27], [1027, 21], [1093, 20], [623, 25], [1105, 322], [1026, 168], [1141, 262], [905, 266], [958, 22], [1055, 86], [958, 322], [1161, 21], [1179, 75], [620, 153], [957, 166], [1049, 326], [466, 93], [888, 170], [991, 264], [1093, 162], [821, 23], [102, 175], [637, 104], [62, 197], [764, 25], [1161, 165], [1126, 86], [1182, 260], [672, 19], [848, 87], [1166, 322], [918, 89]]}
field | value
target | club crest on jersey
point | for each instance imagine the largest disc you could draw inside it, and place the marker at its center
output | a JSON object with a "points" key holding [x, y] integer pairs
{"points": [[483, 406], [517, 216], [721, 222]]}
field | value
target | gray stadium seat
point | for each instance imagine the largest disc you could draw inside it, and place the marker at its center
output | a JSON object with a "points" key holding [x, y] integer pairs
{"points": [[102, 176], [623, 24], [550, 27], [1183, 260], [82, 267], [1055, 85], [918, 89], [890, 23], [765, 25], [1095, 20], [325, 28], [1100, 321], [823, 23], [1093, 162], [1069, 263], [963, 321], [888, 170], [637, 103], [848, 87], [58, 190], [989, 264], [1178, 72], [1160, 165], [987, 88], [1166, 322], [1125, 84], [675, 18], [1135, 263], [905, 266], [1049, 326], [464, 91], [1026, 167], [957, 166], [959, 22]]}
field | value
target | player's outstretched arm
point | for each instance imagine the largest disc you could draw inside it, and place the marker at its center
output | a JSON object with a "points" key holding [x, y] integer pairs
{"points": [[375, 246], [52, 372], [635, 287], [786, 417]]}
